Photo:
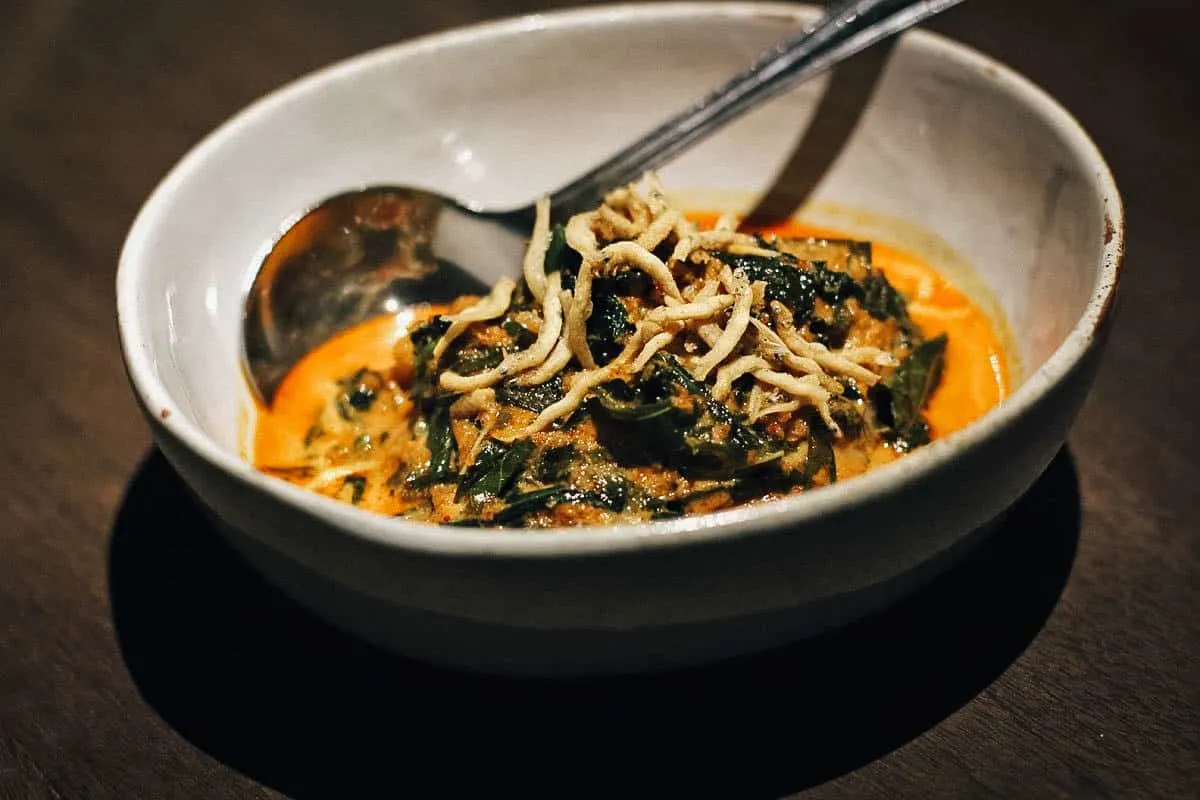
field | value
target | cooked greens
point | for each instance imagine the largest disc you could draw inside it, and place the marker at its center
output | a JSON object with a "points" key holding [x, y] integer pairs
{"points": [[672, 419], [900, 398], [443, 449], [643, 369], [536, 397], [495, 470]]}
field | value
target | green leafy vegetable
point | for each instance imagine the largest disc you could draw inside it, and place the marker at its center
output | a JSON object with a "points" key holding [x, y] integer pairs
{"points": [[535, 397], [785, 280], [740, 488], [631, 283], [621, 403], [521, 336], [443, 449], [900, 399], [522, 505], [671, 509], [740, 434], [792, 284], [473, 360], [881, 300], [847, 414], [357, 484], [833, 287], [561, 257], [607, 326], [424, 339], [832, 332], [495, 470], [357, 392], [671, 418], [614, 491], [554, 464], [820, 457]]}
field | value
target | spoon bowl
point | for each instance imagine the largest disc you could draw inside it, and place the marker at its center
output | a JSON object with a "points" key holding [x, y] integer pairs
{"points": [[355, 256]]}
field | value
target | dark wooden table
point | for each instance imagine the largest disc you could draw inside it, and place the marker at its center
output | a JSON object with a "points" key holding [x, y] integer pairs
{"points": [[139, 658]]}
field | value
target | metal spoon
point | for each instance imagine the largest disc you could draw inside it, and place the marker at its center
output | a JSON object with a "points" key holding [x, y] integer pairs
{"points": [[377, 250]]}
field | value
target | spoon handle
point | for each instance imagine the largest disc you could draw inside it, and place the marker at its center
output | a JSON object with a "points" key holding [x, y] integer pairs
{"points": [[847, 27]]}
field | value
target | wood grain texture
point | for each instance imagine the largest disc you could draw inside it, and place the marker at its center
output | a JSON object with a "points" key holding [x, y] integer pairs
{"points": [[140, 658]]}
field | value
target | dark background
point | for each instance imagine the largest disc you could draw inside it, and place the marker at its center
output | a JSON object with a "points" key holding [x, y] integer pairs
{"points": [[140, 658]]}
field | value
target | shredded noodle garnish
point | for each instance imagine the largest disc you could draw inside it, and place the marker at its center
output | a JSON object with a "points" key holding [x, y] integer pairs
{"points": [[523, 360], [535, 255], [746, 336], [490, 307]]}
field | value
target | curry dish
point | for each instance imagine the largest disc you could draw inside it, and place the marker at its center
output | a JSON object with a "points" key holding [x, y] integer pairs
{"points": [[649, 364]]}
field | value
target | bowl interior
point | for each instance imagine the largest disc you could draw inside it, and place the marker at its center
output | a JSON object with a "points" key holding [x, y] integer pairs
{"points": [[955, 157]]}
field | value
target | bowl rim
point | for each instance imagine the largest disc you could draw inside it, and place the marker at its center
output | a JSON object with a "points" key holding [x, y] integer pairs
{"points": [[165, 415]]}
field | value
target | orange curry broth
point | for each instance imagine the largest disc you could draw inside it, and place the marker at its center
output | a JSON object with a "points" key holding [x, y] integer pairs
{"points": [[280, 430], [974, 379]]}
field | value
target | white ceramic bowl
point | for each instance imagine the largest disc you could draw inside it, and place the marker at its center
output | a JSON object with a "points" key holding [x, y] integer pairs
{"points": [[951, 143]]}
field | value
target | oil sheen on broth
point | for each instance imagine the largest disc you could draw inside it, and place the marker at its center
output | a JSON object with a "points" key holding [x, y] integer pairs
{"points": [[658, 433]]}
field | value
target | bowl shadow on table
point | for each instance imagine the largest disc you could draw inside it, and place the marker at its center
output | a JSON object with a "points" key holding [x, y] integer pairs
{"points": [[262, 685]]}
